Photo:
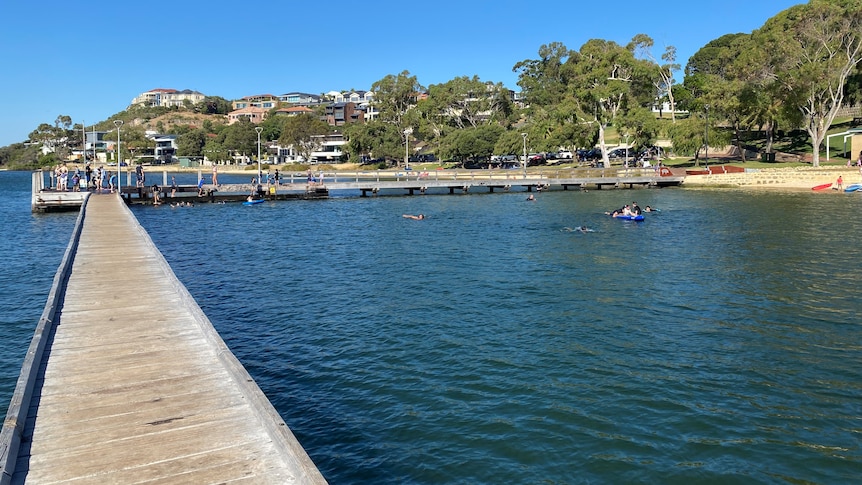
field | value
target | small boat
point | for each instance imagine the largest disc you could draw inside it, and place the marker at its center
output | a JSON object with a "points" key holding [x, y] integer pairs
{"points": [[253, 202], [822, 186], [638, 217], [853, 187]]}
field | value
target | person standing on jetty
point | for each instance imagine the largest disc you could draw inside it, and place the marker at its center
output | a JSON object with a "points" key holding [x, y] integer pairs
{"points": [[215, 175], [139, 174]]}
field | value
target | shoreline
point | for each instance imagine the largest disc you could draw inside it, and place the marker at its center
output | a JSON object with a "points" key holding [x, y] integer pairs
{"points": [[775, 179]]}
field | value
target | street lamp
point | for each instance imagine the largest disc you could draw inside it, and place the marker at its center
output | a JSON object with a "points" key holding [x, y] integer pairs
{"points": [[407, 133], [706, 147], [258, 129], [627, 149], [524, 135], [118, 124]]}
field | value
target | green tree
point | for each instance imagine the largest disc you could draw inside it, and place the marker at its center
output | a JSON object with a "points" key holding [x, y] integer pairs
{"points": [[466, 102], [542, 80], [191, 143], [374, 139], [303, 133], [472, 143], [393, 98], [664, 78], [214, 105], [54, 138], [215, 151], [606, 80], [240, 138], [814, 48]]}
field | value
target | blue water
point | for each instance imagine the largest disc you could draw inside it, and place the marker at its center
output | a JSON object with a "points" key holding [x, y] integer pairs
{"points": [[716, 342]]}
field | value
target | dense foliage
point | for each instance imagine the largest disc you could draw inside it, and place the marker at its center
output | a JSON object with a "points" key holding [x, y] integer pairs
{"points": [[795, 72]]}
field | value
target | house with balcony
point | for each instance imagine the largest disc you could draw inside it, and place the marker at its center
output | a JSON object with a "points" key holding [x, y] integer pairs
{"points": [[329, 148], [168, 97], [264, 101], [355, 97], [166, 148], [340, 114], [300, 99], [252, 114], [294, 111]]}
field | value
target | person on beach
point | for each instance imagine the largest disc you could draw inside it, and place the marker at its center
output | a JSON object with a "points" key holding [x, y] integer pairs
{"points": [[415, 218], [839, 184]]}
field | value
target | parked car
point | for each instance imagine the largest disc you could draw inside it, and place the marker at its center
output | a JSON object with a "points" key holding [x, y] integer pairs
{"points": [[536, 159], [565, 154]]}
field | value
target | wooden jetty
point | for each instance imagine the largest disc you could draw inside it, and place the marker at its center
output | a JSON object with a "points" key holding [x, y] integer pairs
{"points": [[123, 386], [378, 182], [44, 199]]}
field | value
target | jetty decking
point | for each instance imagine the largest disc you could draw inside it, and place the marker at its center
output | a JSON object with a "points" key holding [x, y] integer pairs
{"points": [[133, 384]]}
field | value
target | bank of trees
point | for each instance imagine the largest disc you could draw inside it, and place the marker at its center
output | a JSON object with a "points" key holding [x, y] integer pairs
{"points": [[795, 72]]}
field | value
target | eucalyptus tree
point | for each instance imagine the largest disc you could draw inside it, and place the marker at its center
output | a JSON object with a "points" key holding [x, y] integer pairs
{"points": [[374, 139], [54, 138], [467, 102], [394, 96], [664, 78], [133, 140], [475, 142], [606, 81], [239, 138], [303, 132], [554, 117], [814, 48], [725, 79], [215, 151], [191, 143]]}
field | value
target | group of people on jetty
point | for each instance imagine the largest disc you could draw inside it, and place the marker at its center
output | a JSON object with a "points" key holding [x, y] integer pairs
{"points": [[63, 179]]}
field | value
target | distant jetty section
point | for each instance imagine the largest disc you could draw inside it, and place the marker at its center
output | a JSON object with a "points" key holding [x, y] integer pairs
{"points": [[321, 185]]}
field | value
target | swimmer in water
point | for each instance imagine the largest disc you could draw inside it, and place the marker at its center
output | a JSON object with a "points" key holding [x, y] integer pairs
{"points": [[415, 218]]}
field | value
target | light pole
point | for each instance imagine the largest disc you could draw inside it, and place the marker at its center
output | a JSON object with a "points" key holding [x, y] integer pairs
{"points": [[118, 124], [258, 129], [627, 150], [407, 133], [524, 135], [706, 146]]}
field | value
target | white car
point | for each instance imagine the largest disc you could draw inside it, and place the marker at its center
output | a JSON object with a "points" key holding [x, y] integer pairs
{"points": [[564, 154]]}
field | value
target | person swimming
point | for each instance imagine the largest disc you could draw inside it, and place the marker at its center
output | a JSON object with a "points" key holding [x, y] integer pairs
{"points": [[415, 218]]}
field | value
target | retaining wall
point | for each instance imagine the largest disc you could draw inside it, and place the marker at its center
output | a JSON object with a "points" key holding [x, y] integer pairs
{"points": [[804, 177]]}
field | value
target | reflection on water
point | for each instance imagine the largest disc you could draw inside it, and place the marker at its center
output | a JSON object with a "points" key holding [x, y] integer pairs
{"points": [[716, 341]]}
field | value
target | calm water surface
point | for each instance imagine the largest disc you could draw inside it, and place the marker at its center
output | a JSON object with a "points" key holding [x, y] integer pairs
{"points": [[716, 342]]}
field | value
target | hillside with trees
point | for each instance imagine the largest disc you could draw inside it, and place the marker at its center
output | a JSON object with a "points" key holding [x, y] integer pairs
{"points": [[796, 72]]}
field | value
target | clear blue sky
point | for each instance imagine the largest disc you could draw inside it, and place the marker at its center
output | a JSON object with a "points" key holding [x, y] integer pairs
{"points": [[88, 60]]}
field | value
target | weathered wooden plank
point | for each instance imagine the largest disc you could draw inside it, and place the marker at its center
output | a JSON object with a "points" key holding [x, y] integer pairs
{"points": [[137, 386]]}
